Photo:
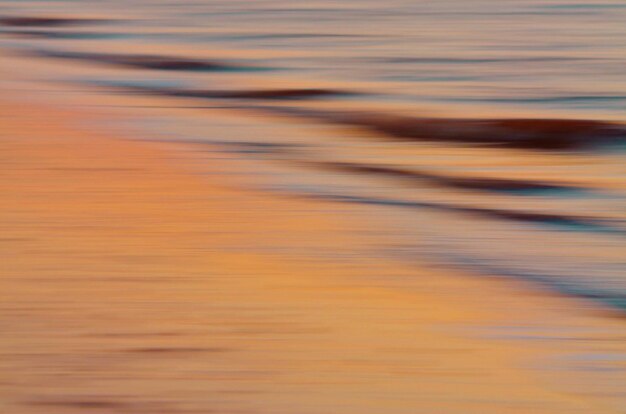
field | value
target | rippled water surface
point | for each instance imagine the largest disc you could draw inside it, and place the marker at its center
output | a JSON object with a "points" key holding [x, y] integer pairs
{"points": [[486, 134]]}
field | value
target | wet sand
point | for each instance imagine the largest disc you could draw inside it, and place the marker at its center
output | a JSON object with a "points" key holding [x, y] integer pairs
{"points": [[132, 285]]}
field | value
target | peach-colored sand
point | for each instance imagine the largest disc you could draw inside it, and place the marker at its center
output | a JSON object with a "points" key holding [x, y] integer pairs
{"points": [[131, 285]]}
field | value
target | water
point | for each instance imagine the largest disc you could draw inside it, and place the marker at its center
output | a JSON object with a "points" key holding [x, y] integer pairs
{"points": [[390, 107]]}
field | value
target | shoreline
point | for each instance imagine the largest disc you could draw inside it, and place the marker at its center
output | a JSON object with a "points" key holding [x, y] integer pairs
{"points": [[134, 285]]}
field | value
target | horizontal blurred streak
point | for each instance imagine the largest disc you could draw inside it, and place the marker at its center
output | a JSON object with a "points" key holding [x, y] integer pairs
{"points": [[32, 21], [539, 134], [154, 62], [519, 187]]}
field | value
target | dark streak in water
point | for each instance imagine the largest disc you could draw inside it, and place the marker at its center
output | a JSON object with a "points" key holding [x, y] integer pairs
{"points": [[25, 21], [91, 169], [132, 334], [563, 222], [536, 134], [269, 94], [614, 299], [270, 36], [514, 187], [254, 94], [247, 147], [171, 350], [523, 133], [56, 35], [83, 404], [154, 62]]}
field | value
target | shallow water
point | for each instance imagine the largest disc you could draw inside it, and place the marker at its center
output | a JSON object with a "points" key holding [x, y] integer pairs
{"points": [[395, 106]]}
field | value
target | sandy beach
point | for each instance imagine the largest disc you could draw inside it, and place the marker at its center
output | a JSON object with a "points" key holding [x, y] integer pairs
{"points": [[132, 285]]}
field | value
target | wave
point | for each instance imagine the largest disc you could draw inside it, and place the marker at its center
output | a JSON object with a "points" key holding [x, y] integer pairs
{"points": [[562, 284], [270, 94], [553, 220], [32, 21], [523, 133], [253, 94], [65, 35], [498, 185], [155, 62]]}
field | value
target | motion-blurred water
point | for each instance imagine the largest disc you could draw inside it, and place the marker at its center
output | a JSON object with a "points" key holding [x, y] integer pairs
{"points": [[367, 103]]}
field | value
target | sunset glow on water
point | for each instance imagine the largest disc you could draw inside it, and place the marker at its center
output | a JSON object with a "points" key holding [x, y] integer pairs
{"points": [[275, 206]]}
